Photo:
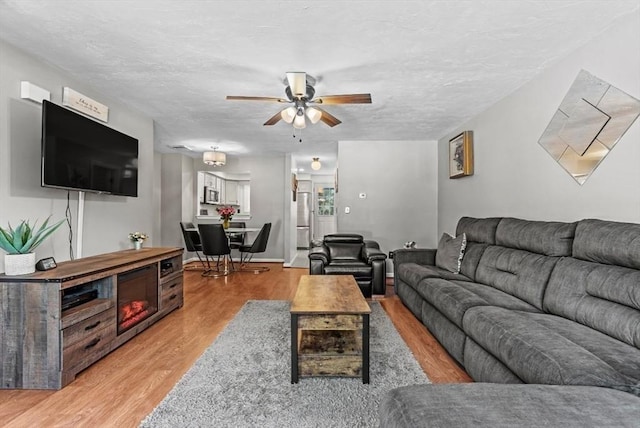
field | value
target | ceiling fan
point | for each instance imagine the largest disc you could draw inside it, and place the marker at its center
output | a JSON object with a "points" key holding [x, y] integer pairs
{"points": [[301, 94]]}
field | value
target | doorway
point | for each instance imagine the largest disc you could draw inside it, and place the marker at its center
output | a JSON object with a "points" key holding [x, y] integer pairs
{"points": [[324, 215]]}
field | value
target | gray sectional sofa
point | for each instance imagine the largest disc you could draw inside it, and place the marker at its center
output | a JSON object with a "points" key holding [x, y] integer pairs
{"points": [[545, 303]]}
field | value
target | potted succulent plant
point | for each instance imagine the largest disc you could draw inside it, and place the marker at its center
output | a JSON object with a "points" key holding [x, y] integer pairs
{"points": [[19, 244]]}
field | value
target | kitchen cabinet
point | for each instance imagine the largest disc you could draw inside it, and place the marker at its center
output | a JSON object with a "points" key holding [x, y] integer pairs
{"points": [[231, 192], [233, 189]]}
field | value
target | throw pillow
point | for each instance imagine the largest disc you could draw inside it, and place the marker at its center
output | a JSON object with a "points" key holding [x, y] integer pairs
{"points": [[450, 252]]}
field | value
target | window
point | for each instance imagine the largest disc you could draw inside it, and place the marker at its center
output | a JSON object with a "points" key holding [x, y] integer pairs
{"points": [[325, 200]]}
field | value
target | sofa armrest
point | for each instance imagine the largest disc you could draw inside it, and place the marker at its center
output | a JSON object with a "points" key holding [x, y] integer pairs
{"points": [[320, 254], [316, 267], [372, 253], [379, 279], [421, 256]]}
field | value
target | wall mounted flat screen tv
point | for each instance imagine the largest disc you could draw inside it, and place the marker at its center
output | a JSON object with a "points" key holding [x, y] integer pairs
{"points": [[79, 153]]}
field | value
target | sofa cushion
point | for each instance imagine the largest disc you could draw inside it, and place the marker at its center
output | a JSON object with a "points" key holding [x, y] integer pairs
{"points": [[608, 242], [413, 273], [520, 273], [344, 251], [495, 297], [447, 333], [478, 229], [547, 349], [454, 298], [472, 255], [484, 367], [542, 237], [450, 252], [496, 405], [345, 267], [603, 297]]}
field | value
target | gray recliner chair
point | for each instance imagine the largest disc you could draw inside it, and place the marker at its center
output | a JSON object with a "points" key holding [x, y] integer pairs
{"points": [[350, 254]]}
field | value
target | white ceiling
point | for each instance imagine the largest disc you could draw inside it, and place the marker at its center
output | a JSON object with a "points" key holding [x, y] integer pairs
{"points": [[429, 65]]}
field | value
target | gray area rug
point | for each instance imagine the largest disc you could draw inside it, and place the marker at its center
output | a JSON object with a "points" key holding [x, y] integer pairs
{"points": [[244, 378]]}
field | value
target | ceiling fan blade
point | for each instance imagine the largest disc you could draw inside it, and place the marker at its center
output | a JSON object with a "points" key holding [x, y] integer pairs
{"points": [[343, 99], [328, 118], [273, 119], [243, 98], [298, 83]]}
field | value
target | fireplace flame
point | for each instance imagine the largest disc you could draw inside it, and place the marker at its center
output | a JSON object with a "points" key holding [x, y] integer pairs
{"points": [[132, 312]]}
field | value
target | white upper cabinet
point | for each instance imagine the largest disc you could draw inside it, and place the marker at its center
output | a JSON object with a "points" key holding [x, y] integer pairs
{"points": [[231, 192]]}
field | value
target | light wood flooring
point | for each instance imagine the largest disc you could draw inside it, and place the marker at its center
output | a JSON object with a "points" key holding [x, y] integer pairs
{"points": [[122, 388]]}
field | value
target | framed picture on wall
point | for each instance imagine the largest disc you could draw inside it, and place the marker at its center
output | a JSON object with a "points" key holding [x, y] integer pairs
{"points": [[461, 155]]}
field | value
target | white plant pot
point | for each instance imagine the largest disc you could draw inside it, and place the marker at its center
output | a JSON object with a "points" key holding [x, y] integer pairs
{"points": [[19, 264]]}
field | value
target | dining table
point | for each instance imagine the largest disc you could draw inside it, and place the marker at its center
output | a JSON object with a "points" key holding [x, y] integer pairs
{"points": [[229, 231], [241, 229], [233, 229]]}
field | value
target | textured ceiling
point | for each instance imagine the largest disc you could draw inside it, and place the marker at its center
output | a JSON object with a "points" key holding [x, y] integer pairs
{"points": [[429, 65]]}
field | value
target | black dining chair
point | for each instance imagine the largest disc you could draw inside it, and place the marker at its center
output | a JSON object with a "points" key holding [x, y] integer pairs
{"points": [[236, 240], [216, 244], [259, 245], [192, 242]]}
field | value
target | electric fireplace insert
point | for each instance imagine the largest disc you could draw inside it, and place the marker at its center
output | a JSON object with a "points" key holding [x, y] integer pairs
{"points": [[137, 296]]}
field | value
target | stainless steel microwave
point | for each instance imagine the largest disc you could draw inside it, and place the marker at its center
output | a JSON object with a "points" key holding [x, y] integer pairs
{"points": [[211, 195]]}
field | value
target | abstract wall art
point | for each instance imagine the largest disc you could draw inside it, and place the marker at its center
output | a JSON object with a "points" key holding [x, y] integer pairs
{"points": [[591, 119]]}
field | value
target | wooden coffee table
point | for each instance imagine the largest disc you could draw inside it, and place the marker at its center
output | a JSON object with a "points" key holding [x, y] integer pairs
{"points": [[329, 328]]}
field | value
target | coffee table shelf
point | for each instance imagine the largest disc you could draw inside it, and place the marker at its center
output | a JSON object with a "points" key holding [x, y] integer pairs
{"points": [[330, 352], [329, 328]]}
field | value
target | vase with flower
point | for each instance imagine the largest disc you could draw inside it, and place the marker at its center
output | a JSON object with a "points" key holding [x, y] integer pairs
{"points": [[226, 213], [137, 238]]}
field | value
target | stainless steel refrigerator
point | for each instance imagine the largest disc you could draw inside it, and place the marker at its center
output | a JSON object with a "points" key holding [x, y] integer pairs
{"points": [[304, 220]]}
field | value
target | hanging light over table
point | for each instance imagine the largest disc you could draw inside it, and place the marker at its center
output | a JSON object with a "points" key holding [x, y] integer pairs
{"points": [[214, 158]]}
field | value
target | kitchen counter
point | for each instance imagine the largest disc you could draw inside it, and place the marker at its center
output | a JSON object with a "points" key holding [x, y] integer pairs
{"points": [[236, 217]]}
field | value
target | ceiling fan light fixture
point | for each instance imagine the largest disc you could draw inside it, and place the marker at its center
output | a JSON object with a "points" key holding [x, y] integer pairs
{"points": [[313, 114], [288, 114], [316, 165], [299, 122], [214, 158]]}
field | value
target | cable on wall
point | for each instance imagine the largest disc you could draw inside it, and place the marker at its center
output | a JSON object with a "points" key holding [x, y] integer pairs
{"points": [[69, 218]]}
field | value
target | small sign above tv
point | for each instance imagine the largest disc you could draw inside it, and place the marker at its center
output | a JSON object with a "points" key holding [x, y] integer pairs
{"points": [[84, 104]]}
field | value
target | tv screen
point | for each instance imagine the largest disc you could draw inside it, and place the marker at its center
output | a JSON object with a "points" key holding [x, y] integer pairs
{"points": [[79, 153]]}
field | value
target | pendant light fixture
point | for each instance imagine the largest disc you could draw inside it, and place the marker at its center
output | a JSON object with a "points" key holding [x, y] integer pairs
{"points": [[316, 165], [214, 158]]}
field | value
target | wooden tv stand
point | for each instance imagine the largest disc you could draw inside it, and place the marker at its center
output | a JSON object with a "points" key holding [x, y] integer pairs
{"points": [[45, 347]]}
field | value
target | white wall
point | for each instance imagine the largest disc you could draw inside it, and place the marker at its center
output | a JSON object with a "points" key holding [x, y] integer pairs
{"points": [[107, 219], [290, 212], [400, 181], [171, 206], [514, 175]]}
